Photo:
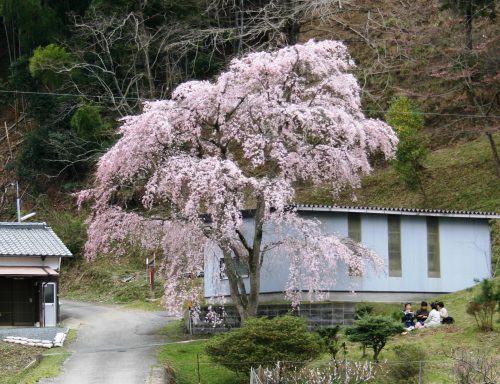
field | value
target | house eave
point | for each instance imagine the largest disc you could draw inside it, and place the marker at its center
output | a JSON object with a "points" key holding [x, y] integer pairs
{"points": [[35, 255], [399, 211]]}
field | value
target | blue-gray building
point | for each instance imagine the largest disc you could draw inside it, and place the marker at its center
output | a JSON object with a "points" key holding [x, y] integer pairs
{"points": [[426, 252]]}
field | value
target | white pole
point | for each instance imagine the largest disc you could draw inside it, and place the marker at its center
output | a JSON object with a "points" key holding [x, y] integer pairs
{"points": [[18, 203]]}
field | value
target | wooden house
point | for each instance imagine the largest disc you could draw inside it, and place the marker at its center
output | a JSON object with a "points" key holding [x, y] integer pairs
{"points": [[30, 260]]}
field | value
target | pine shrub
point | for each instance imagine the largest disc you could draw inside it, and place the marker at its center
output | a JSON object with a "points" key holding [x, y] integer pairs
{"points": [[265, 342]]}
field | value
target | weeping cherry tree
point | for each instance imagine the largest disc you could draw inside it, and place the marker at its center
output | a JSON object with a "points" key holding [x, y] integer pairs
{"points": [[183, 170]]}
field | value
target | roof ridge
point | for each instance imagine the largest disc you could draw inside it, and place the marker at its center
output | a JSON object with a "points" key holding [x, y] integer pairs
{"points": [[15, 224], [31, 239], [401, 209]]}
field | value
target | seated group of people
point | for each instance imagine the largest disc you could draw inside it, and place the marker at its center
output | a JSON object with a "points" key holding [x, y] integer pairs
{"points": [[425, 319]]}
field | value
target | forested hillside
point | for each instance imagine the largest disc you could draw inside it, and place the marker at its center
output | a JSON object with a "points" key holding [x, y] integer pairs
{"points": [[200, 110], [70, 70]]}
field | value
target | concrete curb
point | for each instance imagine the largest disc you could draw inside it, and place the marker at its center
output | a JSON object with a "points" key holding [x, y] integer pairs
{"points": [[160, 375]]}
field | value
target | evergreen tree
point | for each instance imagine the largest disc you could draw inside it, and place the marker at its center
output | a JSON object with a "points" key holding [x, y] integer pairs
{"points": [[373, 331], [411, 152]]}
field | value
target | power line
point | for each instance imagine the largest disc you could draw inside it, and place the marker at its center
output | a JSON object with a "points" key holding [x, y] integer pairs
{"points": [[110, 98], [74, 95], [434, 114]]}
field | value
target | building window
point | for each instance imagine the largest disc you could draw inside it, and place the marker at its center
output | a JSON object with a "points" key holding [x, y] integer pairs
{"points": [[354, 226], [394, 229], [241, 269], [433, 262], [354, 232]]}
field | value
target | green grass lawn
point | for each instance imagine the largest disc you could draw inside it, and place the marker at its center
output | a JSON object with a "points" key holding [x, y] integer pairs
{"points": [[183, 359], [438, 344], [15, 358]]}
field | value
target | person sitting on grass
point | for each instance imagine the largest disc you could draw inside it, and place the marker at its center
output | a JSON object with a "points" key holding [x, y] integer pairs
{"points": [[408, 317], [422, 313], [443, 313], [434, 319]]}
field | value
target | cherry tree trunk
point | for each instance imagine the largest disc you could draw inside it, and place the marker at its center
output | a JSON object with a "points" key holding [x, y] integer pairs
{"points": [[255, 260], [245, 302]]}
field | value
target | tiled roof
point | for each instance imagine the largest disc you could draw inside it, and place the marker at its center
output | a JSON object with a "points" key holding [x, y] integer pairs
{"points": [[30, 239], [399, 211]]}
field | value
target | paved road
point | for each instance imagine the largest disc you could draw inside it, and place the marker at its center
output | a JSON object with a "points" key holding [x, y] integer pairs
{"points": [[114, 345]]}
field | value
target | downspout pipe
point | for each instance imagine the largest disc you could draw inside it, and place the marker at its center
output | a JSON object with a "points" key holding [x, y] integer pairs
{"points": [[18, 203], [42, 320]]}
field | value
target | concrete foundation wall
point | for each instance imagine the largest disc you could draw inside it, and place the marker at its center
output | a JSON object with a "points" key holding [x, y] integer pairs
{"points": [[317, 315]]}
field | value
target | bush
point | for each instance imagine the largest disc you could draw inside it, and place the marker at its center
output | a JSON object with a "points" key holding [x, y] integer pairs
{"points": [[414, 357], [88, 124], [71, 229], [363, 310], [330, 336], [373, 331], [265, 342], [482, 307]]}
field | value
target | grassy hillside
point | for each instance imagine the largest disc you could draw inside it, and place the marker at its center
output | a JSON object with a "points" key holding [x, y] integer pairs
{"points": [[438, 344], [110, 281], [460, 177]]}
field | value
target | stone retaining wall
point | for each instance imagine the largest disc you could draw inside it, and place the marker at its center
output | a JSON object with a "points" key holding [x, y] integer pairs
{"points": [[317, 315]]}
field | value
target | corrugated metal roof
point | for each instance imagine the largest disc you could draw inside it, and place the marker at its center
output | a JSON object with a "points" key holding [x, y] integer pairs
{"points": [[30, 239], [399, 211]]}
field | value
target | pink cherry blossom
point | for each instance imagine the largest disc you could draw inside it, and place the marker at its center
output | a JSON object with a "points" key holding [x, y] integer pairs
{"points": [[243, 140]]}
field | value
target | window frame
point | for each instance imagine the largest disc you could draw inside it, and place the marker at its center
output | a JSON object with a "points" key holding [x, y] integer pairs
{"points": [[354, 232], [433, 247], [354, 219], [222, 274], [394, 246]]}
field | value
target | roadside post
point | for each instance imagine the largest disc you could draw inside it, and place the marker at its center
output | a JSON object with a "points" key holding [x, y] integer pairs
{"points": [[150, 275]]}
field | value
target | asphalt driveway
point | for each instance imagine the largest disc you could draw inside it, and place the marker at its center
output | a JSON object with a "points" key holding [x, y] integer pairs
{"points": [[114, 345]]}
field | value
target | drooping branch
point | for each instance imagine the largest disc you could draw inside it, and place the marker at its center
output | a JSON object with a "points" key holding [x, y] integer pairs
{"points": [[252, 147]]}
